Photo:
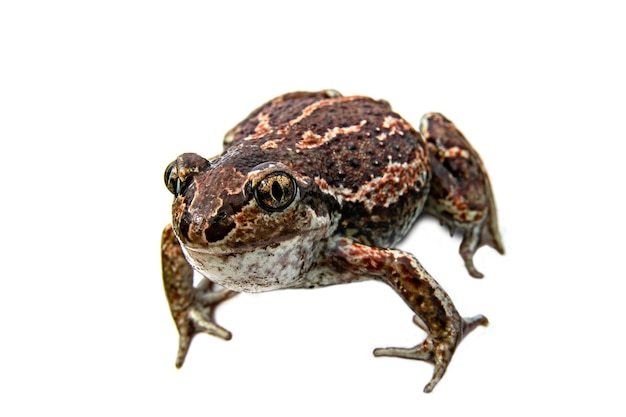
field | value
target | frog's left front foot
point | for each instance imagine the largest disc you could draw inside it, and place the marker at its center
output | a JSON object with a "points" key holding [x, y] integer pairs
{"points": [[435, 350], [434, 311], [192, 308]]}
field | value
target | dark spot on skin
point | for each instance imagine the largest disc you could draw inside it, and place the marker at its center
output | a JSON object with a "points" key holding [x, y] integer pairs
{"points": [[419, 299], [218, 229], [219, 225]]}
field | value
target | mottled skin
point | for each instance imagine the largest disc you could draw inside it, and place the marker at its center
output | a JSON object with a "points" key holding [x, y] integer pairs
{"points": [[313, 189]]}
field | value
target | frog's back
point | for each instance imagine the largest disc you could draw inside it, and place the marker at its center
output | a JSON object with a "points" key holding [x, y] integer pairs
{"points": [[356, 148]]}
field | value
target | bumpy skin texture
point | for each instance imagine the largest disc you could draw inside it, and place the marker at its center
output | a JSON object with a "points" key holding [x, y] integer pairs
{"points": [[312, 189]]}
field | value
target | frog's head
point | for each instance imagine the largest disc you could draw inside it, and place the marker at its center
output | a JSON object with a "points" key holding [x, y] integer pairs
{"points": [[247, 228]]}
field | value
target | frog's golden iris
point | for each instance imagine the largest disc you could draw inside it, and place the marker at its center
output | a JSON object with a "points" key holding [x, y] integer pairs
{"points": [[276, 191]]}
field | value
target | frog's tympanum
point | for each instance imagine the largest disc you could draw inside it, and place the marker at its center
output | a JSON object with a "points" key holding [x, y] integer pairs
{"points": [[316, 189]]}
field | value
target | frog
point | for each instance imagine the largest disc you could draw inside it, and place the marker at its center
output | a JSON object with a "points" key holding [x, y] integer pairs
{"points": [[314, 189]]}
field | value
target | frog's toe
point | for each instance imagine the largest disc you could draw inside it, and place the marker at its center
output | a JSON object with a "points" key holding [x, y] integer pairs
{"points": [[420, 352], [470, 323], [202, 325], [470, 244], [468, 259], [184, 341]]}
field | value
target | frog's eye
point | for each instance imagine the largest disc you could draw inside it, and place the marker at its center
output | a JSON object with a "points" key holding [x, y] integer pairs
{"points": [[172, 180], [276, 191], [179, 171]]}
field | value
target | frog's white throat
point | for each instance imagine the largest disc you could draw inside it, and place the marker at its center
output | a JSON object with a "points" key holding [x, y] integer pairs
{"points": [[261, 267]]}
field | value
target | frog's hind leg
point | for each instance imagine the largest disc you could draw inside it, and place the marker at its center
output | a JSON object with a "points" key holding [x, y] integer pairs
{"points": [[192, 307], [460, 194]]}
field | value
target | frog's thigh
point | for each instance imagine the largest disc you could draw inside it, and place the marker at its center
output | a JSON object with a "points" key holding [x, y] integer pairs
{"points": [[460, 192]]}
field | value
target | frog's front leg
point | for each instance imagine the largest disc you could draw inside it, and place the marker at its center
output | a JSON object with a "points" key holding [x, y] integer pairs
{"points": [[460, 191], [192, 308], [435, 312]]}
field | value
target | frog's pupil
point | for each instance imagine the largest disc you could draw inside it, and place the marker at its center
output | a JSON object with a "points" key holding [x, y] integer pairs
{"points": [[277, 191]]}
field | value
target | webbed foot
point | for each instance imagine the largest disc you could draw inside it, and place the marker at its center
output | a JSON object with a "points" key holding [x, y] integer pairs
{"points": [[435, 350]]}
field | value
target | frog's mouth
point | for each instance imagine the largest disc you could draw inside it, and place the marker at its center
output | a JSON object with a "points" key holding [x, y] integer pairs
{"points": [[232, 249], [259, 266]]}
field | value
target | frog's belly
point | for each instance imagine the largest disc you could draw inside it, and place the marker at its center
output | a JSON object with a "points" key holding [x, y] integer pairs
{"points": [[275, 266]]}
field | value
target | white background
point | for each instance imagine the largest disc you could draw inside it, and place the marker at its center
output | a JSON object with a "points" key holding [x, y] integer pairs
{"points": [[96, 98]]}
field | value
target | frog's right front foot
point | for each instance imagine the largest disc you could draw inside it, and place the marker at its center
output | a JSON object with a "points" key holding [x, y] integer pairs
{"points": [[192, 308], [199, 318]]}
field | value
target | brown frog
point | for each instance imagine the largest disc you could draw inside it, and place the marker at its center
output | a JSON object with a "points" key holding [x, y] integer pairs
{"points": [[315, 189]]}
